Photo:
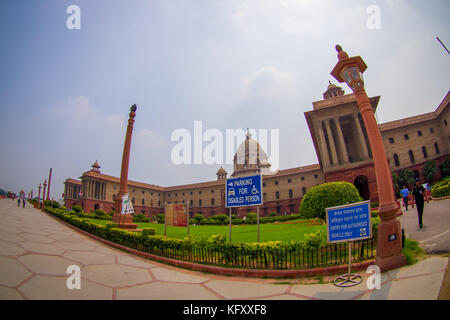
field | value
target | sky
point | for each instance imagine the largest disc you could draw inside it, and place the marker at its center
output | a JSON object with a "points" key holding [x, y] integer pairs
{"points": [[65, 93]]}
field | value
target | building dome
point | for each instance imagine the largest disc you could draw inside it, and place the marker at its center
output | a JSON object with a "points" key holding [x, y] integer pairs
{"points": [[221, 174], [250, 158], [333, 91], [96, 167]]}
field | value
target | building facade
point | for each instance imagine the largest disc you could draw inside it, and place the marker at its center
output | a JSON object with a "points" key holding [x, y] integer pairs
{"points": [[342, 147]]}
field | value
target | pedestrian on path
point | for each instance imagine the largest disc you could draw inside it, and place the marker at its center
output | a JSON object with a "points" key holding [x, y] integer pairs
{"points": [[405, 193], [18, 201], [418, 193]]}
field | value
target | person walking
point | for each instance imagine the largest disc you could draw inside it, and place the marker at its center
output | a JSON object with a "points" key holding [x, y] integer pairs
{"points": [[418, 193], [405, 193]]}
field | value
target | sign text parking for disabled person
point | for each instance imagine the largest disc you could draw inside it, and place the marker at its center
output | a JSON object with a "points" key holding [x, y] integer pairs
{"points": [[243, 191], [349, 222]]}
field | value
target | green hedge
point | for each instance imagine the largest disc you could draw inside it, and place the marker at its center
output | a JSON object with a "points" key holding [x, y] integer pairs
{"points": [[327, 195], [441, 188], [149, 241]]}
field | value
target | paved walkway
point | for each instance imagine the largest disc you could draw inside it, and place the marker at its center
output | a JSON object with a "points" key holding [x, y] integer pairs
{"points": [[36, 249]]}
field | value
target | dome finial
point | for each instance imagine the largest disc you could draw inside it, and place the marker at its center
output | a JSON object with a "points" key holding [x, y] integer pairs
{"points": [[248, 134]]}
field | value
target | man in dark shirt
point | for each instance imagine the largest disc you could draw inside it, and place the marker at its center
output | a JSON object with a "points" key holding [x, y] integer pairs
{"points": [[419, 192]]}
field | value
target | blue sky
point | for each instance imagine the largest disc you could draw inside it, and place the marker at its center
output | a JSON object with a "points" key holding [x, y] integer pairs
{"points": [[65, 94]]}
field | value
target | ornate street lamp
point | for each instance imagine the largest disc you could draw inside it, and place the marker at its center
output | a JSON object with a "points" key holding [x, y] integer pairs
{"points": [[389, 244]]}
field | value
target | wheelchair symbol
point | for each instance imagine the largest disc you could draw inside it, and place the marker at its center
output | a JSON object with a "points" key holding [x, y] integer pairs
{"points": [[362, 232], [254, 190]]}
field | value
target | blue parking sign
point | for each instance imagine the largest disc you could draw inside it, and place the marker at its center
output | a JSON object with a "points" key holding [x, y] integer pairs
{"points": [[243, 191], [349, 222]]}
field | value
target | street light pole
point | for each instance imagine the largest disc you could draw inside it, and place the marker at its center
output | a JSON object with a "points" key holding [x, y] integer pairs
{"points": [[389, 245], [39, 197], [49, 181], [43, 196]]}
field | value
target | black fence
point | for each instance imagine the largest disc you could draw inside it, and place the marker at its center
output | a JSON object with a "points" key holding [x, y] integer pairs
{"points": [[286, 258]]}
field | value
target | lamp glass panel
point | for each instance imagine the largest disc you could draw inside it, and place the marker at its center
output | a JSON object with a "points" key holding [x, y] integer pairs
{"points": [[346, 75], [355, 74]]}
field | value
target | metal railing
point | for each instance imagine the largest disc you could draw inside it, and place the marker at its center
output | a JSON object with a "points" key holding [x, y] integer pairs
{"points": [[298, 258]]}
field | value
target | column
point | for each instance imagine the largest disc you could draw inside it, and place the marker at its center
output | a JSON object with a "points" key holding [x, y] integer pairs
{"points": [[361, 136], [331, 140], [341, 140], [323, 145]]}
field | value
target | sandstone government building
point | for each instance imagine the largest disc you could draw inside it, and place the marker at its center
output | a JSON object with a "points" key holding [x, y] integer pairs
{"points": [[342, 147]]}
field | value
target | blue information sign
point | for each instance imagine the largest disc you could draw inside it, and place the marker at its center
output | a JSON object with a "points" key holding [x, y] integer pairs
{"points": [[349, 222], [243, 191]]}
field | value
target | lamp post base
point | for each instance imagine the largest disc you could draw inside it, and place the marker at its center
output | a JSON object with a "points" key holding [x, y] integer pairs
{"points": [[125, 221], [389, 245]]}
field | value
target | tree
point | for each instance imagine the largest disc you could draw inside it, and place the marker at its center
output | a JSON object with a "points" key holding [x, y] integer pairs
{"points": [[430, 170], [446, 167], [406, 178]]}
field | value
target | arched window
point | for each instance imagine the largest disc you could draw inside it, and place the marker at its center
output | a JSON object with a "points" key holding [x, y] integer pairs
{"points": [[411, 156], [304, 190], [396, 160], [143, 202], [425, 153], [277, 195], [436, 147], [290, 193]]}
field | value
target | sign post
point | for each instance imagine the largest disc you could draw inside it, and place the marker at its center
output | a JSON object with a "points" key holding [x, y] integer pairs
{"points": [[346, 224], [244, 192], [229, 210]]}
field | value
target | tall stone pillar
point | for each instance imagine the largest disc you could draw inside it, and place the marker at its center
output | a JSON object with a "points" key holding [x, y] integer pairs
{"points": [[361, 138], [341, 140], [323, 145], [125, 221], [331, 140]]}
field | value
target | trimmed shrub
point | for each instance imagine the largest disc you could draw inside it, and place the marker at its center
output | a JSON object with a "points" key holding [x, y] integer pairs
{"points": [[272, 214], [221, 218], [251, 216], [441, 188], [140, 218], [148, 232], [77, 208], [326, 195], [100, 212], [192, 221], [199, 218], [160, 217]]}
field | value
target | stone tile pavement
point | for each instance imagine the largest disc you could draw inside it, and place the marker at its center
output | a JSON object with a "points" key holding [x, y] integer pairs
{"points": [[36, 249]]}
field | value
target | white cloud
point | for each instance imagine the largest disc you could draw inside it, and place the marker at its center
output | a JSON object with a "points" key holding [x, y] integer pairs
{"points": [[268, 83]]}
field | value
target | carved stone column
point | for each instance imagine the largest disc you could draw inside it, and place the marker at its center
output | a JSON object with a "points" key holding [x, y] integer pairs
{"points": [[341, 140], [331, 140]]}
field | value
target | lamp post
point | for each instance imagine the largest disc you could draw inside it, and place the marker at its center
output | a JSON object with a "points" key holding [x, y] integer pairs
{"points": [[49, 181], [125, 220], [43, 196], [39, 196], [389, 243]]}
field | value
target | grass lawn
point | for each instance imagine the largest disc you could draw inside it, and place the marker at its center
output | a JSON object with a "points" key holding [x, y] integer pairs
{"points": [[240, 233]]}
